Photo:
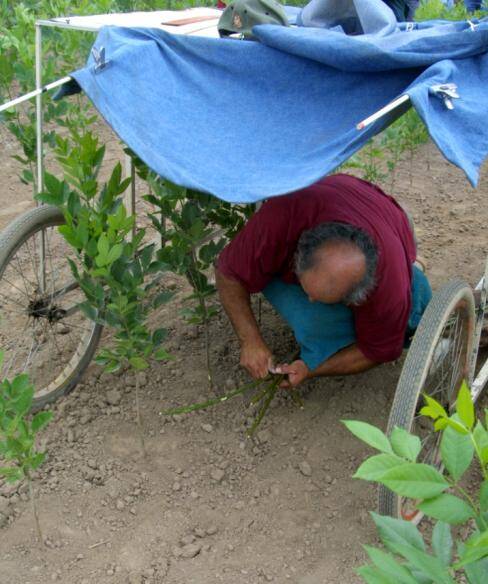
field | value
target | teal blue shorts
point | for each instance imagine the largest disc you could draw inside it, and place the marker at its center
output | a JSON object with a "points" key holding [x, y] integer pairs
{"points": [[323, 329]]}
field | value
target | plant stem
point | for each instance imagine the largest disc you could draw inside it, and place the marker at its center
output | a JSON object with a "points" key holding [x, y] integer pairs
{"points": [[272, 389], [206, 325], [34, 508], [214, 401], [466, 496], [484, 471], [139, 420]]}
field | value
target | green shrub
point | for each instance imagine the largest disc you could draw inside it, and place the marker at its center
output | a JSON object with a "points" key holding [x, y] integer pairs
{"points": [[440, 496]]}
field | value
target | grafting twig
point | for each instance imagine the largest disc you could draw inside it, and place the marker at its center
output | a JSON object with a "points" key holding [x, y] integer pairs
{"points": [[211, 402], [268, 398]]}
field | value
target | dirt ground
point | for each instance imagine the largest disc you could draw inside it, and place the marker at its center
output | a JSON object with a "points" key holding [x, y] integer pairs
{"points": [[208, 505]]}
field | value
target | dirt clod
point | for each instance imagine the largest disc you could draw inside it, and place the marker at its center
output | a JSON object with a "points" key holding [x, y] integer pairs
{"points": [[305, 468], [113, 397]]}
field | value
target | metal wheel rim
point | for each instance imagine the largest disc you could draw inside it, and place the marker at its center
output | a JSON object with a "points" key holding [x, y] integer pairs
{"points": [[29, 304]]}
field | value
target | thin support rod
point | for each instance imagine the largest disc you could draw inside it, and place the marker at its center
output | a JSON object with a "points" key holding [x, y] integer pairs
{"points": [[480, 316], [383, 111], [39, 135], [40, 153], [35, 93]]}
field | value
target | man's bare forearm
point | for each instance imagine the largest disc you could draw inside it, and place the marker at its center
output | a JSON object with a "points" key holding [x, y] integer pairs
{"points": [[236, 301], [345, 362]]}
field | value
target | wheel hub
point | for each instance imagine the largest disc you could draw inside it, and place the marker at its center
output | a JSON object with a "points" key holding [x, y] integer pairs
{"points": [[42, 308]]}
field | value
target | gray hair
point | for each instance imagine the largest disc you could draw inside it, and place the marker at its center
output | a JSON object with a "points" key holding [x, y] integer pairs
{"points": [[313, 239]]}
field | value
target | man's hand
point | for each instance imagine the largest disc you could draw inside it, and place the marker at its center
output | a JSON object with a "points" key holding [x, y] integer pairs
{"points": [[257, 359], [296, 371]]}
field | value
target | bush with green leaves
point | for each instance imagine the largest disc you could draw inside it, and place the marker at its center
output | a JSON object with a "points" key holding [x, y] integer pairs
{"points": [[438, 10], [111, 264], [439, 495], [194, 227], [19, 455]]}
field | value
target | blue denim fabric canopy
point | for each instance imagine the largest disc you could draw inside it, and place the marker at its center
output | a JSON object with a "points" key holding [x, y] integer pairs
{"points": [[250, 120]]}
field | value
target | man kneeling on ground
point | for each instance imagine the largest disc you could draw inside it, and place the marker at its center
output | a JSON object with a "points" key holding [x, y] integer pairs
{"points": [[336, 260]]}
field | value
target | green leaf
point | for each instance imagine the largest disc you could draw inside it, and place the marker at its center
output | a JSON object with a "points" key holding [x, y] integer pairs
{"points": [[112, 366], [163, 355], [440, 424], [393, 531], [457, 452], [390, 566], [103, 245], [471, 555], [158, 336], [37, 460], [484, 496], [478, 539], [442, 542], [375, 467], [22, 403], [433, 409], [12, 474], [429, 565], [40, 420], [455, 425], [370, 434], [480, 436], [373, 575], [477, 571], [88, 310], [414, 480], [405, 444], [464, 406], [448, 508], [20, 383], [162, 298], [138, 363], [115, 253]]}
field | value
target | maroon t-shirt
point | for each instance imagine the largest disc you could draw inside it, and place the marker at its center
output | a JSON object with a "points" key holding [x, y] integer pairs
{"points": [[264, 249]]}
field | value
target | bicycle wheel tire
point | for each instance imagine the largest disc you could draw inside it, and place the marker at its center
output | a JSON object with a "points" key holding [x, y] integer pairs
{"points": [[437, 362], [42, 332]]}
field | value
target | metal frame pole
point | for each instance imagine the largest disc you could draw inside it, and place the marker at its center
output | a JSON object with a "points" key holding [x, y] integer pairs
{"points": [[40, 151], [39, 117], [383, 111], [35, 93]]}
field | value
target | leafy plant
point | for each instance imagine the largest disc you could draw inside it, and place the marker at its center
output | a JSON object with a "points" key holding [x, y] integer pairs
{"points": [[440, 496], [199, 226], [111, 263], [437, 10], [18, 435]]}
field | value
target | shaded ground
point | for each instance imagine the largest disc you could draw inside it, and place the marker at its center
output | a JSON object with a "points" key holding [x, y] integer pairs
{"points": [[208, 505]]}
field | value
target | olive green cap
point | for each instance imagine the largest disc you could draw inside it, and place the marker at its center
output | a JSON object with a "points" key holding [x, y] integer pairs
{"points": [[241, 15]]}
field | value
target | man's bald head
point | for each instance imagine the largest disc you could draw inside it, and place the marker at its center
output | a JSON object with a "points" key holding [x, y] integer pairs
{"points": [[336, 262]]}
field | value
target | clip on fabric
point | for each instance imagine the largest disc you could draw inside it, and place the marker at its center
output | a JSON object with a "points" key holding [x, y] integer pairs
{"points": [[447, 92], [99, 58]]}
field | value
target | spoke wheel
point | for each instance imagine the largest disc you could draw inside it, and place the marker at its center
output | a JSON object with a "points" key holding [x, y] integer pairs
{"points": [[42, 332], [437, 362]]}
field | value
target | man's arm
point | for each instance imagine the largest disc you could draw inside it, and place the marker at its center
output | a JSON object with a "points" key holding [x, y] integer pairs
{"points": [[345, 362], [256, 357]]}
